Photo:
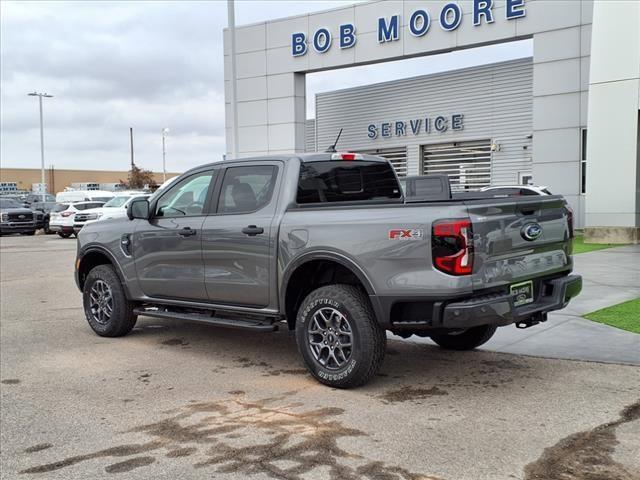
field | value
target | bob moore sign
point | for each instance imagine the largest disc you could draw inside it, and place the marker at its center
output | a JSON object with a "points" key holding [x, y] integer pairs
{"points": [[450, 17], [416, 126]]}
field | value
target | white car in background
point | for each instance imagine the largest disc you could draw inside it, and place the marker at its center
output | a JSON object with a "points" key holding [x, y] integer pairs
{"points": [[62, 216], [517, 190], [114, 208], [73, 196]]}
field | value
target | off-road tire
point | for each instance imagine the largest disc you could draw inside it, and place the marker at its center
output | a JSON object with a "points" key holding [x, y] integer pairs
{"points": [[467, 340], [122, 318], [64, 235], [368, 339]]}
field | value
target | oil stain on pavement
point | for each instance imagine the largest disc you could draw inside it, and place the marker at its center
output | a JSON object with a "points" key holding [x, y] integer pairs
{"points": [[236, 435], [586, 455], [411, 394]]}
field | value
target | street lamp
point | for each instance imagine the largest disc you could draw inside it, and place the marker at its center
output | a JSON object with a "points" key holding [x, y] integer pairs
{"points": [[165, 131], [40, 95]]}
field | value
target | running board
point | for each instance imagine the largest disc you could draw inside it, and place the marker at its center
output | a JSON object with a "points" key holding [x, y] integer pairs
{"points": [[254, 325]]}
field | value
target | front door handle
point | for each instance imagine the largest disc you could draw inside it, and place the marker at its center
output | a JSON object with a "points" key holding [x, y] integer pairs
{"points": [[187, 232], [252, 230]]}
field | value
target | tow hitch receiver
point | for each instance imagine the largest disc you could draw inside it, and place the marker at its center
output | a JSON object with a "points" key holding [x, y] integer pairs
{"points": [[534, 320]]}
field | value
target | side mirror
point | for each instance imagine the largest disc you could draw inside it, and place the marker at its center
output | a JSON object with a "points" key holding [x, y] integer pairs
{"points": [[138, 208]]}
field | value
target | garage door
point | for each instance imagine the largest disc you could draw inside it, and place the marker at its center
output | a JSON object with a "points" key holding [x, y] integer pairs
{"points": [[396, 155], [468, 164]]}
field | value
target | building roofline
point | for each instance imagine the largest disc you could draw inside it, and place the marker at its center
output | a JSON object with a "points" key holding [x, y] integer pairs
{"points": [[428, 76]]}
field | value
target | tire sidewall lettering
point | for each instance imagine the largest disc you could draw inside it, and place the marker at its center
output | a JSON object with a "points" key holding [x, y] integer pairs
{"points": [[305, 315]]}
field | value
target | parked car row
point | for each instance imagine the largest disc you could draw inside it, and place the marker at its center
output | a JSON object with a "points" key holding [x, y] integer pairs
{"points": [[67, 215]]}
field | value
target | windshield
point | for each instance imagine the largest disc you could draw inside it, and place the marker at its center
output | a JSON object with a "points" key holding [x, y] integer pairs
{"points": [[116, 202], [99, 199], [8, 203]]}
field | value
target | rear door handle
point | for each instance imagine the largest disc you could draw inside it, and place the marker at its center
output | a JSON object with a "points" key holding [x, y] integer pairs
{"points": [[252, 230], [187, 232]]}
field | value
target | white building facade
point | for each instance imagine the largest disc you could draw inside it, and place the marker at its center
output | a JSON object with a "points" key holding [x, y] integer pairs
{"points": [[585, 71]]}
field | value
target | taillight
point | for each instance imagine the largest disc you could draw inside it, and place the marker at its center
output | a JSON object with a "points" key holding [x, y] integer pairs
{"points": [[452, 246], [346, 156], [570, 220], [66, 214]]}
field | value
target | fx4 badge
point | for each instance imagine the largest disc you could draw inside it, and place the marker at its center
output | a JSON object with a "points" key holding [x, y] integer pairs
{"points": [[405, 234]]}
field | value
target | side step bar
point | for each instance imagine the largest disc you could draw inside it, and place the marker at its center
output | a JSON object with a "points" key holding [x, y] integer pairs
{"points": [[254, 325]]}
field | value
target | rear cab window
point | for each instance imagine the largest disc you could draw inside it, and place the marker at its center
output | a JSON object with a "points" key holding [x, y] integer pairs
{"points": [[60, 207], [346, 181]]}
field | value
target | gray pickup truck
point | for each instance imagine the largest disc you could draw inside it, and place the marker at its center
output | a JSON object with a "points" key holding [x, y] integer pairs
{"points": [[326, 245]]}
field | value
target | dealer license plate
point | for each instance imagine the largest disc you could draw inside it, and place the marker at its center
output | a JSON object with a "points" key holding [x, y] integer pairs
{"points": [[522, 292]]}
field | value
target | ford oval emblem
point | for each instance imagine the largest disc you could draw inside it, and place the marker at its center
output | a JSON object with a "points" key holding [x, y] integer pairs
{"points": [[21, 217], [531, 231]]}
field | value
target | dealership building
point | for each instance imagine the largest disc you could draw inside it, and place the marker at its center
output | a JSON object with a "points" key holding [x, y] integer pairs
{"points": [[566, 118]]}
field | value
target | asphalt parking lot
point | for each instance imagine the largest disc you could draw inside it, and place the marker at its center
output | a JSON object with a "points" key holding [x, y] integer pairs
{"points": [[175, 400]]}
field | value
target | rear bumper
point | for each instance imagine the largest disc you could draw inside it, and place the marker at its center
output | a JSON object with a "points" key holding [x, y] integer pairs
{"points": [[498, 309], [61, 228], [420, 313]]}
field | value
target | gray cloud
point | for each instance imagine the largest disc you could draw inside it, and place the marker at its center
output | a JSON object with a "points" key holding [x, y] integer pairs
{"points": [[148, 65]]}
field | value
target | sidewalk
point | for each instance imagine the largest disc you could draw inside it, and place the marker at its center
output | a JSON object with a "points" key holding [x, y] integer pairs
{"points": [[609, 277]]}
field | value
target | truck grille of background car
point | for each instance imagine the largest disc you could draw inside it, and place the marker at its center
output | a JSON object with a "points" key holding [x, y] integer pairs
{"points": [[20, 217]]}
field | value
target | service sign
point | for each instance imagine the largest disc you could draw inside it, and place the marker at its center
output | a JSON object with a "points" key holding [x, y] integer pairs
{"points": [[388, 28], [416, 126]]}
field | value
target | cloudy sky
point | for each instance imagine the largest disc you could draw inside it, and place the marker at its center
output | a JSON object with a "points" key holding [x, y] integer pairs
{"points": [[147, 65]]}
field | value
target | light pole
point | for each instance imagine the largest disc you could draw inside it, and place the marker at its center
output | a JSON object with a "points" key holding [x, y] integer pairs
{"points": [[40, 95], [164, 154]]}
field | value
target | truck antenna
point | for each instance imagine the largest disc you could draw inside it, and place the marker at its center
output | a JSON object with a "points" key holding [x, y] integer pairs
{"points": [[332, 148]]}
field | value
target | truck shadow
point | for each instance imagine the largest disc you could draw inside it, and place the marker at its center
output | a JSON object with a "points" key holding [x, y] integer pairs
{"points": [[406, 362]]}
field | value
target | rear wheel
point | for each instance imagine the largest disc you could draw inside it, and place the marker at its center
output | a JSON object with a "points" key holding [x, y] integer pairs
{"points": [[106, 307], [338, 336], [467, 339], [64, 235]]}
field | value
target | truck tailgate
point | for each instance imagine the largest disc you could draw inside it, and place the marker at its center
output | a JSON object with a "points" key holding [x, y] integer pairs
{"points": [[504, 251]]}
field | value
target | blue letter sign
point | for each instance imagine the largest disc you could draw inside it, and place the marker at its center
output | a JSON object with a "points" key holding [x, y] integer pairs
{"points": [[298, 44], [322, 40], [419, 23], [515, 9], [388, 32], [347, 35], [453, 23], [482, 8], [389, 28]]}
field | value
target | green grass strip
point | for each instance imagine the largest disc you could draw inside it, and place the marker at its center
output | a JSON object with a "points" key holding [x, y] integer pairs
{"points": [[580, 247], [625, 316]]}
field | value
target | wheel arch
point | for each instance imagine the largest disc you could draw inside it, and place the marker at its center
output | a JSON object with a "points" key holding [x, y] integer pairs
{"points": [[91, 258], [313, 270]]}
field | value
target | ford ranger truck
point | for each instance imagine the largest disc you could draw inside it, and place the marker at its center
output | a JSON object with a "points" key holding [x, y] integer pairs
{"points": [[325, 245]]}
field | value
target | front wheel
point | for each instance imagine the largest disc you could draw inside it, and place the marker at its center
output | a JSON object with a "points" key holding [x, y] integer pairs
{"points": [[106, 307], [467, 339], [338, 336]]}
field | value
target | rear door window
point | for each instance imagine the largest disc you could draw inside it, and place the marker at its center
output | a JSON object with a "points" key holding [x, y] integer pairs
{"points": [[247, 189], [342, 181]]}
